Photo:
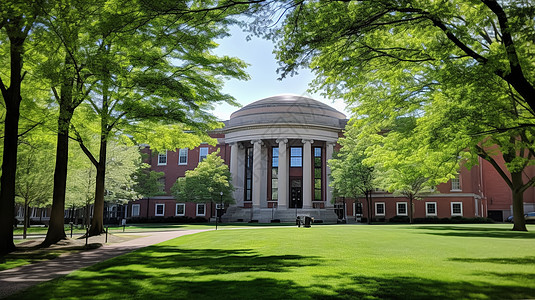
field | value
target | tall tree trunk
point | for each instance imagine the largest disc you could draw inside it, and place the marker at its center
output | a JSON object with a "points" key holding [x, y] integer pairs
{"points": [[26, 219], [56, 229], [518, 202], [12, 99], [411, 209], [97, 224]]}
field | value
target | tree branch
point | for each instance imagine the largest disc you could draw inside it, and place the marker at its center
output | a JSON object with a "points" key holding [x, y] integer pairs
{"points": [[83, 147], [483, 154]]}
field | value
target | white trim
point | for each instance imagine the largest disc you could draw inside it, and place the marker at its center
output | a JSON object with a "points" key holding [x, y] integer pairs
{"points": [[197, 210], [406, 209], [355, 209], [200, 152], [158, 159], [456, 214], [184, 210], [384, 209], [427, 211], [186, 154], [138, 210], [458, 187], [156, 209]]}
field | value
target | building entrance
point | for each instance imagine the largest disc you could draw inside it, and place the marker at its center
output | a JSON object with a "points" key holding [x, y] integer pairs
{"points": [[296, 198]]}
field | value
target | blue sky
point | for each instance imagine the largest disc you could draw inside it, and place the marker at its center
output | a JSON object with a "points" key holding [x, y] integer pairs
{"points": [[262, 70]]}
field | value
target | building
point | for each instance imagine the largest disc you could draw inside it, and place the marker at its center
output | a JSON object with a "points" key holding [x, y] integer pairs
{"points": [[277, 150]]}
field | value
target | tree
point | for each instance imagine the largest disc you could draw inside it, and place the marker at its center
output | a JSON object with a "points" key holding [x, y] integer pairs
{"points": [[147, 182], [350, 176], [205, 183], [33, 182], [392, 59], [16, 21], [155, 82]]}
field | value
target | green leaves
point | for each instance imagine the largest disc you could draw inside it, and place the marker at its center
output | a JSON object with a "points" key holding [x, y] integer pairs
{"points": [[205, 182]]}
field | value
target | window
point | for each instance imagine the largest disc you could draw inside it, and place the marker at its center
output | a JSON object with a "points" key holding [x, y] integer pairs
{"points": [[203, 153], [135, 210], [357, 208], [296, 157], [275, 159], [160, 209], [456, 183], [183, 156], [318, 171], [456, 208], [275, 174], [401, 208], [161, 184], [248, 174], [430, 208], [379, 208], [201, 209], [162, 159], [180, 209]]}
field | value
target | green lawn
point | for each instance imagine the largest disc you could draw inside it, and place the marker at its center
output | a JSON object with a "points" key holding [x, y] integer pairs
{"points": [[324, 262]]}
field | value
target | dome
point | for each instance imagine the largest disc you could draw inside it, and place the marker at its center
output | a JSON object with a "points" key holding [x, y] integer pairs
{"points": [[287, 109]]}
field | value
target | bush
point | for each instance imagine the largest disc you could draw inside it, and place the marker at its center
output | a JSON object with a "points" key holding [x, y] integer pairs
{"points": [[399, 219], [168, 220], [453, 220]]}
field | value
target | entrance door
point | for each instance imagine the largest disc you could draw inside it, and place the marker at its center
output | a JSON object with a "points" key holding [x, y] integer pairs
{"points": [[296, 199]]}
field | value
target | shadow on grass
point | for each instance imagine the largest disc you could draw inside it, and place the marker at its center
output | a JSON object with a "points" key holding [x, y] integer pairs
{"points": [[166, 272], [208, 261], [474, 231], [367, 287], [528, 260]]}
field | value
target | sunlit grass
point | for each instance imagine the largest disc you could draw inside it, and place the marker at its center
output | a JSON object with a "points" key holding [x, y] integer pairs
{"points": [[324, 262]]}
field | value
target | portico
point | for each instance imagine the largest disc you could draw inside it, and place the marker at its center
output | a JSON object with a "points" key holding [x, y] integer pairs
{"points": [[279, 152]]}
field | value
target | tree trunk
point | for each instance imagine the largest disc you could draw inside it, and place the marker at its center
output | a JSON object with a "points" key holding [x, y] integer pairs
{"points": [[369, 199], [56, 229], [26, 219], [411, 209], [12, 101], [518, 202], [97, 224]]}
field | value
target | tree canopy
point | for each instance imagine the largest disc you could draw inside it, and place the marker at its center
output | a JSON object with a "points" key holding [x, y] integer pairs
{"points": [[205, 183], [463, 70]]}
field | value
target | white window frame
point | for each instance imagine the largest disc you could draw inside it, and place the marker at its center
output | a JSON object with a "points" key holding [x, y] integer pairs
{"points": [[406, 209], [162, 155], [456, 214], [355, 204], [183, 152], [183, 210], [427, 211], [156, 209], [457, 182], [138, 210], [200, 153], [384, 209], [197, 210]]}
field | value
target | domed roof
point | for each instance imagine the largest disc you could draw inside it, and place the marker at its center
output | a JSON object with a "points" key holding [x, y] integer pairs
{"points": [[287, 109]]}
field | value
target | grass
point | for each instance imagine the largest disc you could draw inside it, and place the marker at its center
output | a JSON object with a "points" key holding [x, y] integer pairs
{"points": [[324, 262]]}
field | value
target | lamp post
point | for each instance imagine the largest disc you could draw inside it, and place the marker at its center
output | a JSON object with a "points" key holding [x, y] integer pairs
{"points": [[217, 210]]}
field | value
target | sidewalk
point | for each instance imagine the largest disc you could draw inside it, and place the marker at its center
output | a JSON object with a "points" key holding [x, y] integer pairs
{"points": [[18, 279]]}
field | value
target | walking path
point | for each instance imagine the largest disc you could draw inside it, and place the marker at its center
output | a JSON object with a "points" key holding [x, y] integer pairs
{"points": [[18, 279]]}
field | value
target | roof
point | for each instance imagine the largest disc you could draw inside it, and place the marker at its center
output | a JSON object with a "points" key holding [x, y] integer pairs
{"points": [[287, 109]]}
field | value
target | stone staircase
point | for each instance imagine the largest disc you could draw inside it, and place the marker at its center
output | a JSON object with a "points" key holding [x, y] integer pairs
{"points": [[265, 215]]}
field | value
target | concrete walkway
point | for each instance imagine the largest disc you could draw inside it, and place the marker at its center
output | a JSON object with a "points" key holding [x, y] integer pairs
{"points": [[18, 279]]}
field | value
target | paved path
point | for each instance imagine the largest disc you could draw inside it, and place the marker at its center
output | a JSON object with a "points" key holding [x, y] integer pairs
{"points": [[17, 279]]}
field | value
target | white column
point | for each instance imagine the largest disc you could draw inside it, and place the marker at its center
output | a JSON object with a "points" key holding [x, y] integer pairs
{"points": [[257, 172], [283, 174], [234, 170], [307, 173], [328, 155]]}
